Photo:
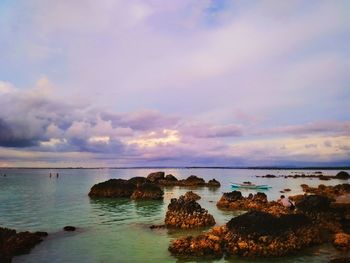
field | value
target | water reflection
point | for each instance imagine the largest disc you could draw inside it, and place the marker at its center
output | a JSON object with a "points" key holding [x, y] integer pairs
{"points": [[148, 208], [111, 211]]}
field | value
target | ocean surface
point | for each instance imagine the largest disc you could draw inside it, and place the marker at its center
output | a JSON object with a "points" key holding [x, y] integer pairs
{"points": [[118, 230]]}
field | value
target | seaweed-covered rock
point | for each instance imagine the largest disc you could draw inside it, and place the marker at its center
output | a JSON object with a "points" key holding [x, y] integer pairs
{"points": [[313, 203], [155, 177], [148, 191], [184, 213], [113, 188], [342, 241], [213, 183], [13, 243], [192, 196], [342, 175], [257, 223]]}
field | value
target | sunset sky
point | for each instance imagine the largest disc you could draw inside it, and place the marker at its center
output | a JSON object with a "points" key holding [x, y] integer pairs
{"points": [[174, 83]]}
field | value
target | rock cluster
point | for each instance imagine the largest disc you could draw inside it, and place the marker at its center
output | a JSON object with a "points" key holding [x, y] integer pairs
{"points": [[187, 213], [341, 175], [328, 191], [135, 188], [254, 234], [235, 201], [269, 229], [13, 243], [146, 187], [161, 179]]}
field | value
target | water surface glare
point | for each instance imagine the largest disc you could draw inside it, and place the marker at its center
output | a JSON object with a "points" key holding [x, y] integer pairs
{"points": [[117, 230]]}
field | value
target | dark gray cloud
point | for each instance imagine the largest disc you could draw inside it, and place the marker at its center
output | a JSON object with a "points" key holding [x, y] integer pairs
{"points": [[10, 138]]}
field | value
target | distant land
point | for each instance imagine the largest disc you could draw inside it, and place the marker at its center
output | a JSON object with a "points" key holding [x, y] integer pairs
{"points": [[197, 167]]}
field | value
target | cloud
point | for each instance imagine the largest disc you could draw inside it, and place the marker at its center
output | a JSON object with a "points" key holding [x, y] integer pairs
{"points": [[174, 81]]}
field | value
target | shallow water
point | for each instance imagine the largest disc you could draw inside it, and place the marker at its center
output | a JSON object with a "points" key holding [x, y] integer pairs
{"points": [[117, 230]]}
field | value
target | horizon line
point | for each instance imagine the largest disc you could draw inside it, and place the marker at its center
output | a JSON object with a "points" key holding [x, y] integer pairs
{"points": [[196, 167]]}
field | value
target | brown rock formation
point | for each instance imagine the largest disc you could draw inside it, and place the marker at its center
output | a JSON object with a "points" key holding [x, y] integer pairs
{"points": [[13, 243], [184, 213]]}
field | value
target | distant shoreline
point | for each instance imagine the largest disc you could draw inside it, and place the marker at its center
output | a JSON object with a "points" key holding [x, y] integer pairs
{"points": [[191, 167]]}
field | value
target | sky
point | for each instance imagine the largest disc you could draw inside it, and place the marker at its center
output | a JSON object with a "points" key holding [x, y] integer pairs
{"points": [[121, 83]]}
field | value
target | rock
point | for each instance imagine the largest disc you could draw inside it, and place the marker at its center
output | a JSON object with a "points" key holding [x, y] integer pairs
{"points": [[170, 177], [342, 175], [264, 224], [287, 190], [138, 180], [214, 183], [155, 177], [254, 234], [342, 241], [192, 196], [113, 188], [269, 176], [69, 228], [193, 180], [203, 246], [331, 192], [312, 203], [232, 196], [185, 213], [147, 191], [235, 201], [13, 243]]}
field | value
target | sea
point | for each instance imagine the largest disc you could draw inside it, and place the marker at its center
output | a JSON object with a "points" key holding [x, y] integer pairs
{"points": [[117, 230]]}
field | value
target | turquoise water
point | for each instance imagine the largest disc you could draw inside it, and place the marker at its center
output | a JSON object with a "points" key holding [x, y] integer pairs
{"points": [[118, 230]]}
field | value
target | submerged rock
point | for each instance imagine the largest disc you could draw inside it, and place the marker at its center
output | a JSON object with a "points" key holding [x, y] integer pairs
{"points": [[113, 188], [69, 228], [13, 243], [184, 213], [147, 191]]}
